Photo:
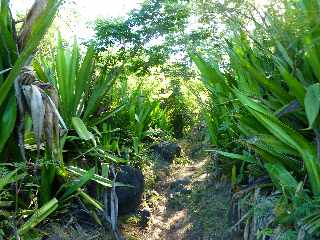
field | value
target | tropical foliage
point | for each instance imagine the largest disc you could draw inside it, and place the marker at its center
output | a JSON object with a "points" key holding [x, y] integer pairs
{"points": [[267, 99], [49, 105], [69, 117]]}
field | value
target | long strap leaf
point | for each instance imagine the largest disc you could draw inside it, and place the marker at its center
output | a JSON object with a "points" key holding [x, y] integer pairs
{"points": [[38, 32]]}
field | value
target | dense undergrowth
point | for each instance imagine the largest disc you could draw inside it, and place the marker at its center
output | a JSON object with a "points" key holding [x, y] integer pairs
{"points": [[70, 116], [263, 115], [67, 121]]}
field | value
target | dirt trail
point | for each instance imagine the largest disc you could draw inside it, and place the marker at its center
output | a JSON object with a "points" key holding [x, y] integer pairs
{"points": [[185, 203], [188, 204]]}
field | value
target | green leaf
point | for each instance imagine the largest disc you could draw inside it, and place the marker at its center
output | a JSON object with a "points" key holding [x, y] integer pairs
{"points": [[210, 74], [8, 47], [102, 180], [39, 215], [84, 77], [273, 143], [38, 31], [105, 167], [288, 136], [246, 158], [276, 148], [82, 130], [73, 187], [89, 200], [10, 178], [61, 85], [282, 178], [104, 86], [270, 84], [99, 179], [72, 83], [284, 53], [7, 119], [312, 54], [295, 86], [212, 126], [312, 103], [74, 80], [39, 71], [115, 159], [107, 115], [48, 172]]}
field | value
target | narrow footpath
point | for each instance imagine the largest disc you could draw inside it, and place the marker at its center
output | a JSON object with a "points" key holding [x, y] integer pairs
{"points": [[186, 203]]}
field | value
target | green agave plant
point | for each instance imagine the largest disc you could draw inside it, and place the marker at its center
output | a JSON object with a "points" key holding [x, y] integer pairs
{"points": [[79, 87], [19, 88], [140, 108], [270, 99], [275, 97], [15, 54]]}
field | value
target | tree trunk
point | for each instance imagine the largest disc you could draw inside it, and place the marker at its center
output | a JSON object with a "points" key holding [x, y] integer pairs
{"points": [[34, 13]]}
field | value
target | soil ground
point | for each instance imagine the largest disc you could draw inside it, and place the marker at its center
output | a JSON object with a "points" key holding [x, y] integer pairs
{"points": [[186, 203]]}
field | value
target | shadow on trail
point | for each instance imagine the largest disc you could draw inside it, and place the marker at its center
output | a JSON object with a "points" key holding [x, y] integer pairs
{"points": [[195, 206], [186, 201]]}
